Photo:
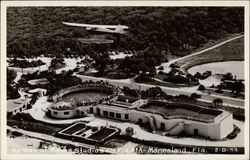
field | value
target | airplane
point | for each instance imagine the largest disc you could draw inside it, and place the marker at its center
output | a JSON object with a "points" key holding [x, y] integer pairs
{"points": [[112, 29]]}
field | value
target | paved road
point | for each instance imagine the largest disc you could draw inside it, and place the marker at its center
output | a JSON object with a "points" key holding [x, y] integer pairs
{"points": [[173, 91], [166, 65]]}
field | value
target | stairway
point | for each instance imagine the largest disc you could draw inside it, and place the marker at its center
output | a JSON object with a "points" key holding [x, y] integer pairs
{"points": [[176, 129], [152, 123]]}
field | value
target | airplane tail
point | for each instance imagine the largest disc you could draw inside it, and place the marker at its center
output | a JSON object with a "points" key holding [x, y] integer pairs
{"points": [[119, 29]]}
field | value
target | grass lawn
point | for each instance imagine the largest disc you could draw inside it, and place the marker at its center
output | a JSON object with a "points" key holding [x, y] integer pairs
{"points": [[230, 51]]}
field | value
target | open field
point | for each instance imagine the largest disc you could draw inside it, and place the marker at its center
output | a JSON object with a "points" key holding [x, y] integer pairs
{"points": [[231, 51], [234, 67]]}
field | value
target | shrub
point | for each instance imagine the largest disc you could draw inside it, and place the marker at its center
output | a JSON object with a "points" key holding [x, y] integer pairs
{"points": [[162, 73], [201, 88], [16, 134], [195, 96], [218, 91]]}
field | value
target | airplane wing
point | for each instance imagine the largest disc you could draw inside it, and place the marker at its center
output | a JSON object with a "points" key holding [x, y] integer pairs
{"points": [[91, 25], [79, 25]]}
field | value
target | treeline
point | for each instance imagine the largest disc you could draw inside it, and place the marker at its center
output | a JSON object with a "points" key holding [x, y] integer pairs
{"points": [[24, 63], [174, 30]]}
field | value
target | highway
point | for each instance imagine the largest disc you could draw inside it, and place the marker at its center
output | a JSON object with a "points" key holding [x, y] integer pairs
{"points": [[234, 102]]}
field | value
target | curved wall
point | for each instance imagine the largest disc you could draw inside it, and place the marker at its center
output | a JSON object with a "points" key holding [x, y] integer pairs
{"points": [[66, 114], [102, 88]]}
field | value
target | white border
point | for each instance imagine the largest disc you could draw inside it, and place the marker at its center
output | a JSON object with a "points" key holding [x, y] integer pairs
{"points": [[5, 4]]}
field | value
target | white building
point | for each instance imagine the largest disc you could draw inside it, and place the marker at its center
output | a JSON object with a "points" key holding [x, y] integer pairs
{"points": [[168, 117], [41, 92], [16, 106]]}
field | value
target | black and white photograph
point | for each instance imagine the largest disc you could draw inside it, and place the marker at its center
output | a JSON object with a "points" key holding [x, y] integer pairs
{"points": [[130, 79]]}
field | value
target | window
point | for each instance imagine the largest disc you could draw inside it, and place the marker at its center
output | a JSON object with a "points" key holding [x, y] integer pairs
{"points": [[105, 113], [20, 109], [111, 114], [66, 113], [55, 113], [118, 115], [126, 116]]}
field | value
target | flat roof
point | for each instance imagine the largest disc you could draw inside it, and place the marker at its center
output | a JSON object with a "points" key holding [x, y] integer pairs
{"points": [[82, 130], [16, 104], [38, 81], [102, 134], [175, 110], [37, 89]]}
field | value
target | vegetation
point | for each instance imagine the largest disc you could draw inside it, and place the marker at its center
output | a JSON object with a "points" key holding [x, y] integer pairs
{"points": [[27, 122], [56, 81], [201, 88], [39, 30], [157, 93], [34, 31], [12, 92], [178, 77], [57, 63], [195, 96], [204, 75], [217, 102], [24, 63], [231, 84]]}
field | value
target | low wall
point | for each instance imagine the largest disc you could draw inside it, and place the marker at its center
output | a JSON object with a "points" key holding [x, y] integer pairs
{"points": [[99, 87], [60, 114]]}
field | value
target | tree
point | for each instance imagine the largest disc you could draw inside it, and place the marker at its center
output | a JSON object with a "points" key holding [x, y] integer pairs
{"points": [[12, 92], [201, 88], [217, 102], [194, 96], [237, 87], [228, 76], [197, 75], [11, 75]]}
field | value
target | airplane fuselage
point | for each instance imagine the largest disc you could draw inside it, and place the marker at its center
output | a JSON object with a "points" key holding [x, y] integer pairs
{"points": [[112, 29]]}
